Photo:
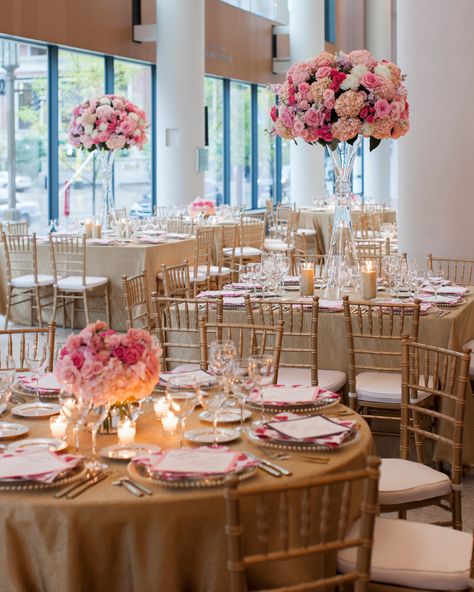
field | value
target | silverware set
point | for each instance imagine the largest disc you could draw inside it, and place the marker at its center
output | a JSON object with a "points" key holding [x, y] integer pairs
{"points": [[136, 489], [79, 487]]}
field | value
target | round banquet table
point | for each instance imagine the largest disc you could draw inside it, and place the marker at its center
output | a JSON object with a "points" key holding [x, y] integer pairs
{"points": [[106, 539]]}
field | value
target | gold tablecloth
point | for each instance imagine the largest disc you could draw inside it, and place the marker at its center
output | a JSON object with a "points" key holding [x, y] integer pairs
{"points": [[106, 539], [321, 219], [111, 261]]}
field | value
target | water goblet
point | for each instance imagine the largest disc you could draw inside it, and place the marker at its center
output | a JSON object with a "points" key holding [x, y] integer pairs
{"points": [[243, 384], [35, 360], [73, 408], [94, 416], [262, 370], [221, 353], [436, 279], [182, 393]]}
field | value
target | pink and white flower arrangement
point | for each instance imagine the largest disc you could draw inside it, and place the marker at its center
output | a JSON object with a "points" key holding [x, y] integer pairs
{"points": [[203, 207], [108, 122], [102, 365], [335, 97]]}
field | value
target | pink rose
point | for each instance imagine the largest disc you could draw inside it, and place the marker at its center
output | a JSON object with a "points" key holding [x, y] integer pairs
{"points": [[395, 111], [382, 108], [323, 72], [298, 126], [77, 358], [131, 356], [370, 80], [312, 117]]}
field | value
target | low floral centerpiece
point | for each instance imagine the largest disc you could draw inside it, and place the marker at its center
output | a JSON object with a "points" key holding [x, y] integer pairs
{"points": [[202, 208], [107, 123], [335, 100], [102, 365]]}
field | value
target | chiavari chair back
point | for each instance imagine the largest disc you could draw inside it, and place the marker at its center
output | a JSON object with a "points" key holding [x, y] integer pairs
{"points": [[371, 248], [270, 211], [458, 271], [176, 322], [13, 343], [443, 376], [251, 232], [176, 280], [120, 213], [318, 262], [249, 340], [180, 226], [205, 241], [304, 244], [24, 283], [299, 520], [136, 294], [16, 228], [373, 335], [72, 285], [229, 237]]}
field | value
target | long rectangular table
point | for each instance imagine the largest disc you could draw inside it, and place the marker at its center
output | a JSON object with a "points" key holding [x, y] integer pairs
{"points": [[112, 261]]}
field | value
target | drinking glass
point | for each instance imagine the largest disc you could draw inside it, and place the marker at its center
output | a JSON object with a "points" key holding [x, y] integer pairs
{"points": [[94, 417], [73, 408], [262, 369], [5, 391], [221, 354], [243, 384], [182, 393], [213, 401], [435, 279], [35, 360]]}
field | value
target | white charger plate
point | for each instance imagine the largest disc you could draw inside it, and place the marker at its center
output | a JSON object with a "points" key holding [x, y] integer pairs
{"points": [[12, 430], [229, 416], [36, 410], [128, 451], [204, 436], [51, 444]]}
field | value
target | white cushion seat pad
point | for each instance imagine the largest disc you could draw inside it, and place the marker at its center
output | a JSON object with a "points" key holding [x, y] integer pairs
{"points": [[214, 270], [28, 281], [470, 345], [73, 283], [307, 231], [382, 387], [243, 251], [403, 481], [331, 380], [415, 555]]}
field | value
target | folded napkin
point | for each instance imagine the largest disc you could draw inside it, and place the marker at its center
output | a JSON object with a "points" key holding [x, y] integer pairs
{"points": [[447, 290], [330, 305], [217, 293], [290, 427], [201, 376], [35, 465], [157, 240], [440, 299], [47, 383], [291, 280], [293, 395], [425, 306], [194, 462], [101, 241], [242, 286]]}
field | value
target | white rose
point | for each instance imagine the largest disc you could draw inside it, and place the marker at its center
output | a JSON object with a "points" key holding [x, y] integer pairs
{"points": [[88, 128], [103, 127], [350, 82], [94, 134], [133, 116], [137, 132], [104, 101], [382, 70], [358, 71]]}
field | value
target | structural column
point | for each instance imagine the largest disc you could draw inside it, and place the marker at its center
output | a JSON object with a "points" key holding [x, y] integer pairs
{"points": [[306, 42], [179, 99], [378, 164], [436, 208]]}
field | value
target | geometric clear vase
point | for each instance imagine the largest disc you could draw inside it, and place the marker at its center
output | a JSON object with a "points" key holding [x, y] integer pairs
{"points": [[342, 264], [106, 159]]}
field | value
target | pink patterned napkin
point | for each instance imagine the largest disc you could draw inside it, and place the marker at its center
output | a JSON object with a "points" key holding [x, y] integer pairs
{"points": [[217, 293], [242, 286], [291, 280], [101, 241], [176, 463], [290, 427], [447, 290], [35, 465], [425, 306], [46, 384], [293, 395], [324, 304]]}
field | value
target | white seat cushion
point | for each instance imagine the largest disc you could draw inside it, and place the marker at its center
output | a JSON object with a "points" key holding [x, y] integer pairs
{"points": [[306, 231], [28, 281], [331, 380], [402, 481], [273, 244], [73, 283], [214, 270], [414, 555], [199, 277], [186, 367], [381, 387], [244, 251], [470, 345]]}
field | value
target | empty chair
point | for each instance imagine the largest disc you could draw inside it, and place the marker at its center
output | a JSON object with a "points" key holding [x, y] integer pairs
{"points": [[13, 343], [200, 270], [136, 295], [72, 285], [301, 520], [24, 283], [176, 280], [281, 235], [250, 245], [228, 241], [458, 271], [443, 375], [17, 228]]}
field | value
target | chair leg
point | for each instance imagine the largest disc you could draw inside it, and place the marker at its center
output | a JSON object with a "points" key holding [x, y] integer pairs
{"points": [[55, 303], [402, 514], [86, 306], [8, 306], [107, 304], [457, 510], [38, 306]]}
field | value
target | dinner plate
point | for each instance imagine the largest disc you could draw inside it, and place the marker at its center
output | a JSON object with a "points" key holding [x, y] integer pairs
{"points": [[307, 408], [51, 444], [21, 392], [65, 478], [128, 451], [204, 436], [36, 410], [10, 430], [226, 416], [353, 437]]}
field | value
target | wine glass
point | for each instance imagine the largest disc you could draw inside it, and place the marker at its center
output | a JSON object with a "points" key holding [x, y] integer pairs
{"points": [[262, 369], [73, 409], [212, 402], [221, 354], [182, 393], [435, 280], [35, 360], [94, 416], [243, 383]]}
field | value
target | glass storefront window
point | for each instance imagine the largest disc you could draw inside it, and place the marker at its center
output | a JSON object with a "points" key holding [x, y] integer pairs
{"points": [[240, 145], [214, 176], [266, 148]]}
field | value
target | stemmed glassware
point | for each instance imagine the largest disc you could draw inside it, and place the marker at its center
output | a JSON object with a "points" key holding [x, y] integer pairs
{"points": [[262, 369], [182, 396], [435, 280], [221, 356], [35, 360], [243, 384], [73, 408], [7, 380], [213, 401], [283, 267], [94, 416]]}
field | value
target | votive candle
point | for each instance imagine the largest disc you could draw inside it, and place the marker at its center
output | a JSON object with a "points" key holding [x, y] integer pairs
{"points": [[88, 228], [126, 431], [369, 282], [97, 230], [161, 407], [169, 423], [58, 426], [307, 280]]}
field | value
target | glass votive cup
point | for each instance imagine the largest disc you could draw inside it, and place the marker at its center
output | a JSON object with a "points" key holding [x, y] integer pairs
{"points": [[170, 423], [58, 426], [161, 406], [126, 430]]}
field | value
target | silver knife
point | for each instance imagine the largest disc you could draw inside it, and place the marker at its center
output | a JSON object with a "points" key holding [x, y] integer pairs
{"points": [[269, 470], [86, 485], [140, 487], [74, 485], [131, 488], [281, 470]]}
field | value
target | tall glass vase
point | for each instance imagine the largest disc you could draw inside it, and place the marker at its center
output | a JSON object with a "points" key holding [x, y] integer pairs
{"points": [[106, 159], [342, 262]]}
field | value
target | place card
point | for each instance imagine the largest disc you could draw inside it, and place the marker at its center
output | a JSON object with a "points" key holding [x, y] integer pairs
{"points": [[182, 460], [29, 463], [308, 427], [201, 376]]}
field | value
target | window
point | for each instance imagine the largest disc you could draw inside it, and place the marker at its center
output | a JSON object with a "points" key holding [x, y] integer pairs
{"points": [[264, 8], [330, 21], [285, 172], [266, 148], [133, 168], [80, 77], [240, 145], [31, 135], [214, 176]]}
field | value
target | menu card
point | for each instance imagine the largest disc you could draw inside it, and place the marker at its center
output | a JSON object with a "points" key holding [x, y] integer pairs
{"points": [[183, 460], [308, 427]]}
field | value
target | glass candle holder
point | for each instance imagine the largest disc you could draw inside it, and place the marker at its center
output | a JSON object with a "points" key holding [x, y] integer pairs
{"points": [[58, 426], [126, 431], [161, 407], [169, 423]]}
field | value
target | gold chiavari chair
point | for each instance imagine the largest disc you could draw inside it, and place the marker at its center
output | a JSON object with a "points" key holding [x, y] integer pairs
{"points": [[304, 244], [176, 280], [200, 271], [249, 340], [299, 351], [176, 322], [17, 228], [13, 343], [458, 271], [372, 248], [229, 235], [180, 226], [24, 283], [302, 520], [270, 212], [373, 335], [251, 237], [442, 375], [281, 236], [136, 295], [72, 285]]}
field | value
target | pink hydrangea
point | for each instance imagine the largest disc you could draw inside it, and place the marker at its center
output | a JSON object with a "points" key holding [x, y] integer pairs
{"points": [[349, 104], [346, 128]]}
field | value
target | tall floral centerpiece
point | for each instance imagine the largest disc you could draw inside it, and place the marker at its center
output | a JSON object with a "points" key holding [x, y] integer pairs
{"points": [[202, 208], [107, 123], [335, 100]]}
